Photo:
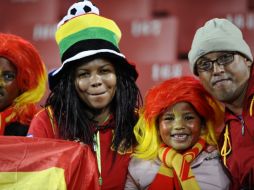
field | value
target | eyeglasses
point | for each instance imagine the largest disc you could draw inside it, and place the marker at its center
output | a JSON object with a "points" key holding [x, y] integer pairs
{"points": [[207, 65]]}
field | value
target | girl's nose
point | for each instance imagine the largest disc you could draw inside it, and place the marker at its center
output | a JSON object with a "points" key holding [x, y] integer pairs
{"points": [[179, 123]]}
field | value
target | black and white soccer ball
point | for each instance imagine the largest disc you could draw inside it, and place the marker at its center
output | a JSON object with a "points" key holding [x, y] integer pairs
{"points": [[80, 8]]}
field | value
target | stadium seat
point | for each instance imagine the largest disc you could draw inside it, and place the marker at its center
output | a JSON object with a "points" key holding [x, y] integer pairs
{"points": [[189, 12], [245, 21], [124, 10], [28, 11], [145, 40], [152, 73]]}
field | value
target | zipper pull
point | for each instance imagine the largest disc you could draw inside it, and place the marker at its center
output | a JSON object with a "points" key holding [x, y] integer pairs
{"points": [[243, 124], [94, 143], [242, 129], [100, 181]]}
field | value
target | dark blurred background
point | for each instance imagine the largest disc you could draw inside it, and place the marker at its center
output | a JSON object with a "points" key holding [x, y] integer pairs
{"points": [[156, 34]]}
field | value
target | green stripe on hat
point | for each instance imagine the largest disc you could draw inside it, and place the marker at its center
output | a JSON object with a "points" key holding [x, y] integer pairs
{"points": [[84, 22], [87, 34]]}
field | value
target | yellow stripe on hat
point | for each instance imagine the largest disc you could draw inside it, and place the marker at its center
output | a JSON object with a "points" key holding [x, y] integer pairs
{"points": [[83, 22], [88, 34]]}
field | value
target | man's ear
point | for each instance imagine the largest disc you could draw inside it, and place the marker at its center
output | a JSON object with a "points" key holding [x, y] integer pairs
{"points": [[249, 63]]}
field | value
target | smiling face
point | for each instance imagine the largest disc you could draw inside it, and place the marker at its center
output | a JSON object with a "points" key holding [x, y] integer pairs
{"points": [[180, 126], [95, 83], [8, 83], [226, 83]]}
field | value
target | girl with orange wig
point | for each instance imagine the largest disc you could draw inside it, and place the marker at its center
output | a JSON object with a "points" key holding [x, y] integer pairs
{"points": [[22, 84], [175, 127]]}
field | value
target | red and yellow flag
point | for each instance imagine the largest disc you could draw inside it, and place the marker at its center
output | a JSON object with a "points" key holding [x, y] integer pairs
{"points": [[46, 164]]}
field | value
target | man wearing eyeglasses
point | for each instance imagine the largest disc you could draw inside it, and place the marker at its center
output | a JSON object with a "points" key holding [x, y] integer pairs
{"points": [[222, 60]]}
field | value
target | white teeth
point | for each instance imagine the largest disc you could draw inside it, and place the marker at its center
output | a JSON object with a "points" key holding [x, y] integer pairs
{"points": [[180, 136]]}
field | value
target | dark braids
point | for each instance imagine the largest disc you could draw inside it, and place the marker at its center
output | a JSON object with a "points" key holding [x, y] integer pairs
{"points": [[75, 123], [72, 120], [127, 100]]}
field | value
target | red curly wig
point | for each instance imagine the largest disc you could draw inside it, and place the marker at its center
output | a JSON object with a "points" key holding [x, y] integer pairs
{"points": [[172, 91], [165, 95], [31, 74]]}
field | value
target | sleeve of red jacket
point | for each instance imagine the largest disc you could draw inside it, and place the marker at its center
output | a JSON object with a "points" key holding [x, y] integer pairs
{"points": [[41, 126]]}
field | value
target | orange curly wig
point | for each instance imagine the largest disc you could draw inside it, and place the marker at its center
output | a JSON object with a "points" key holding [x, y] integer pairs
{"points": [[31, 74], [159, 98]]}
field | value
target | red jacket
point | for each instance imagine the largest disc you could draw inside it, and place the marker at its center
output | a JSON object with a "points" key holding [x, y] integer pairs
{"points": [[114, 170], [240, 161]]}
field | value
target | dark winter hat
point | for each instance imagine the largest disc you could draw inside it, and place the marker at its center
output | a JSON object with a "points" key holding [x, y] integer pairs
{"points": [[82, 34], [217, 35]]}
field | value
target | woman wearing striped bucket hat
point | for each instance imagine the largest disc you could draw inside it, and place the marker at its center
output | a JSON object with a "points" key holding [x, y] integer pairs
{"points": [[93, 93]]}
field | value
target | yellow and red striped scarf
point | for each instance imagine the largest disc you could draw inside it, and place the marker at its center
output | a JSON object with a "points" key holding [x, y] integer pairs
{"points": [[175, 172]]}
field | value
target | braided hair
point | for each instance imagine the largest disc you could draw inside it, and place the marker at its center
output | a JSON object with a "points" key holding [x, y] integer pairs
{"points": [[71, 112]]}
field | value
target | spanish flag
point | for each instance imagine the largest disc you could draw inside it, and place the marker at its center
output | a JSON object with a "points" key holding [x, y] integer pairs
{"points": [[46, 164]]}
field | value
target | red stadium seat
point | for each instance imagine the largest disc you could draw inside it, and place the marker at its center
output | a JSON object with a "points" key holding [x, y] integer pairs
{"points": [[152, 73], [28, 11], [146, 40], [189, 12], [245, 21], [124, 10]]}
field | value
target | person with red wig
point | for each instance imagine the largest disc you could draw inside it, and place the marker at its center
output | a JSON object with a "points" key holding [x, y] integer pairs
{"points": [[22, 84], [176, 125]]}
